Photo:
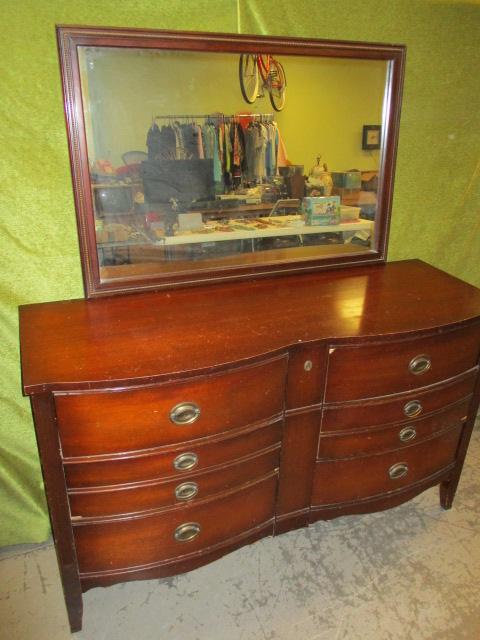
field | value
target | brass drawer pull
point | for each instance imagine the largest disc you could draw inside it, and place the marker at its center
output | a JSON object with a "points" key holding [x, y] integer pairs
{"points": [[407, 434], [186, 491], [398, 471], [186, 532], [185, 461], [412, 408], [419, 365], [185, 413]]}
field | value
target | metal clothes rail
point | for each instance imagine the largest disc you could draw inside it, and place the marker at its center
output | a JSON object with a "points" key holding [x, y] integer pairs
{"points": [[263, 117]]}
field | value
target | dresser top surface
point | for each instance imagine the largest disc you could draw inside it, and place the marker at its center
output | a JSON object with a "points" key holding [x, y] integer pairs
{"points": [[155, 335]]}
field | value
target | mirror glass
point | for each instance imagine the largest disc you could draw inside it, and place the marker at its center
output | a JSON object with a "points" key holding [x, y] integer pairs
{"points": [[201, 163]]}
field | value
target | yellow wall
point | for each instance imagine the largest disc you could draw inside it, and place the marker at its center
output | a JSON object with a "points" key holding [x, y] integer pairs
{"points": [[328, 100]]}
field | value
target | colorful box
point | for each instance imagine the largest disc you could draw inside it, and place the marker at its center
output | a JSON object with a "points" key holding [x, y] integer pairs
{"points": [[321, 210]]}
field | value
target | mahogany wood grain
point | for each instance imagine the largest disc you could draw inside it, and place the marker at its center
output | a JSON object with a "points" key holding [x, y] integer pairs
{"points": [[91, 472], [132, 420], [47, 438], [337, 481], [391, 409], [382, 502], [113, 363], [140, 541], [298, 456], [384, 367], [362, 442], [136, 498], [162, 335], [448, 488], [306, 374], [177, 565]]}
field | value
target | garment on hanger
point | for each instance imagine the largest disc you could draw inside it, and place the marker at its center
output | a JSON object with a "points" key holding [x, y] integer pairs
{"points": [[244, 149]]}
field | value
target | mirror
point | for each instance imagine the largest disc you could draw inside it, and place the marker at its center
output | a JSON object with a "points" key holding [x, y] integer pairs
{"points": [[200, 157]]}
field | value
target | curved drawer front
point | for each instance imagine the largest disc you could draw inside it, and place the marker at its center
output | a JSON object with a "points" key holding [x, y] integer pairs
{"points": [[175, 463], [381, 411], [188, 489], [130, 420], [344, 481], [135, 542], [356, 372], [392, 437]]}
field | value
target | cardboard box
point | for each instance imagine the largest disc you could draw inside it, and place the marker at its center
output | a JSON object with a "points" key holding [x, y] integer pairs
{"points": [[347, 196], [349, 214], [370, 180]]}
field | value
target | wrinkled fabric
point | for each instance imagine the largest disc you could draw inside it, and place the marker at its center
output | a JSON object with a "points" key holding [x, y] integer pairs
{"points": [[436, 211], [39, 257]]}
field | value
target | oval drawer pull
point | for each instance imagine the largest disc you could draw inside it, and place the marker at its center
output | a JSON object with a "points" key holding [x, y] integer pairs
{"points": [[412, 408], [398, 471], [187, 531], [185, 461], [407, 434], [185, 413], [186, 490], [419, 364]]}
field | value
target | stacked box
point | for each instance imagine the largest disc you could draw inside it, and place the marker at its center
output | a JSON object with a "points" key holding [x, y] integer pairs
{"points": [[349, 214], [321, 210], [347, 179], [347, 196]]}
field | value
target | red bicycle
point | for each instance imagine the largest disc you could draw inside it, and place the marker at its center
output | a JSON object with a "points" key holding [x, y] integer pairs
{"points": [[255, 68]]}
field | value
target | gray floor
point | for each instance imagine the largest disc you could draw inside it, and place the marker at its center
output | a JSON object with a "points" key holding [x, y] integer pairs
{"points": [[412, 573]]}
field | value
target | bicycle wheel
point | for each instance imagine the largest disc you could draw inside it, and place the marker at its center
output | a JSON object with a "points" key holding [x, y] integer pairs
{"points": [[277, 84], [248, 73]]}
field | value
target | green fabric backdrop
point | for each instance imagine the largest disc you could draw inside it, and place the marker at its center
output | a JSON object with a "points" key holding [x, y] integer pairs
{"points": [[437, 194]]}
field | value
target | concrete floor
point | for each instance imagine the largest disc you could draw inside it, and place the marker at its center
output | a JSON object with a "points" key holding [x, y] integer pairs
{"points": [[412, 573]]}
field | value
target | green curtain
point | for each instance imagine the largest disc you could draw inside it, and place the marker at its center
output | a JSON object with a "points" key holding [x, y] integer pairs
{"points": [[436, 213]]}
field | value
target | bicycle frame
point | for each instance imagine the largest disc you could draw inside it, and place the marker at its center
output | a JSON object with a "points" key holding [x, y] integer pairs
{"points": [[259, 73], [264, 64]]}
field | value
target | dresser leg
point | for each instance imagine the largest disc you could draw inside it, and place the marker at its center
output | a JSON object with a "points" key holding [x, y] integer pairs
{"points": [[74, 611], [45, 425], [449, 487], [447, 493]]}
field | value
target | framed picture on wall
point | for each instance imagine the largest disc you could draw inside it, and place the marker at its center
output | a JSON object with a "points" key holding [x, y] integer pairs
{"points": [[372, 136]]}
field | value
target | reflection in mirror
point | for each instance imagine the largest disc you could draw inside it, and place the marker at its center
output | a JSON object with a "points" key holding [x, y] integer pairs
{"points": [[184, 170]]}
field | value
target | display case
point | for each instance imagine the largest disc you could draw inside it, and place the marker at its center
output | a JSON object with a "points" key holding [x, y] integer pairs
{"points": [[199, 157]]}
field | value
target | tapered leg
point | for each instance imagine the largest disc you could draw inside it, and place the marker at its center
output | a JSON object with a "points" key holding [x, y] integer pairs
{"points": [[449, 487], [447, 493], [47, 438]]}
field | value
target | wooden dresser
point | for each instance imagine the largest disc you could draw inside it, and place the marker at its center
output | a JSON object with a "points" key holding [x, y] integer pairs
{"points": [[176, 426]]}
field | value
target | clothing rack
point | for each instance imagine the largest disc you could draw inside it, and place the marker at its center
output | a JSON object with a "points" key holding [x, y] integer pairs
{"points": [[263, 117]]}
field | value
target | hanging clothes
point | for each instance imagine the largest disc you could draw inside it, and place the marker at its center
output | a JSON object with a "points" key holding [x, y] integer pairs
{"points": [[282, 155], [161, 143], [255, 151], [244, 149]]}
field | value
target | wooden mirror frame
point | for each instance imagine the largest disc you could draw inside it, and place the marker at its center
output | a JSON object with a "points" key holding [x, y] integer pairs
{"points": [[71, 37]]}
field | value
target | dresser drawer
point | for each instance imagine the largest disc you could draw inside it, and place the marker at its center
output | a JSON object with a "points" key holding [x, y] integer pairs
{"points": [[175, 463], [366, 371], [398, 408], [148, 540], [341, 445], [157, 494], [344, 481], [105, 422]]}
